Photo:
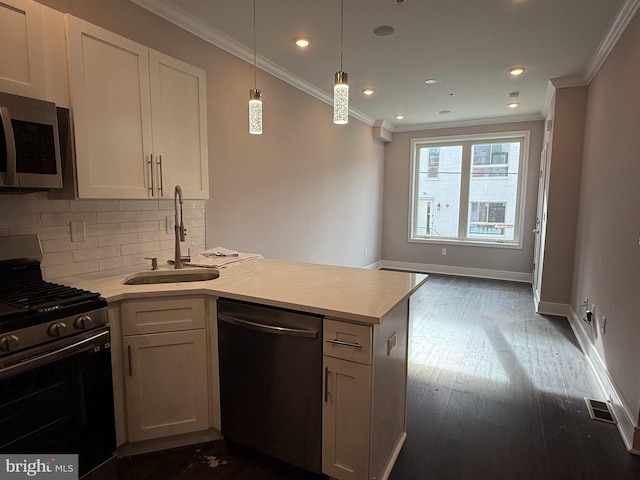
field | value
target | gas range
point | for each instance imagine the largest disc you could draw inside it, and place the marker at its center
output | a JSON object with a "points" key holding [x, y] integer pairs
{"points": [[34, 312]]}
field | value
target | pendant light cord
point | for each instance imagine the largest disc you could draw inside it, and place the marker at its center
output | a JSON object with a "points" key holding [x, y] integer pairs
{"points": [[341, 30], [255, 82]]}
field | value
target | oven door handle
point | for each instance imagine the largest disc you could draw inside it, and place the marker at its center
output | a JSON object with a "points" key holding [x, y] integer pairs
{"points": [[58, 354], [10, 174]]}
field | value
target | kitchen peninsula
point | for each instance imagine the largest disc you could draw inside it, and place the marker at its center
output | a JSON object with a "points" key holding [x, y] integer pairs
{"points": [[165, 342]]}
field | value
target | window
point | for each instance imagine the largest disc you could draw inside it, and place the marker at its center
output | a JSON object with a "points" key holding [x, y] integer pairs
{"points": [[468, 189]]}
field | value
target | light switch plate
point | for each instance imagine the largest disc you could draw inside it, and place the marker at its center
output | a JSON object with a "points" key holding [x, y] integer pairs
{"points": [[78, 231]]}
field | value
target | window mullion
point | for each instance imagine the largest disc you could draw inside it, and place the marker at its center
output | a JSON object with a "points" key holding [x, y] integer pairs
{"points": [[465, 179]]}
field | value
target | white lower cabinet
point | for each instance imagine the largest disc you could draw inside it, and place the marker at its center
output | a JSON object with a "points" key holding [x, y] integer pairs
{"points": [[346, 419], [165, 368]]}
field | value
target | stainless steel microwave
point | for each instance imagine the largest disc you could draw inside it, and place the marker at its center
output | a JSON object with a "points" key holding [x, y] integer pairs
{"points": [[29, 145]]}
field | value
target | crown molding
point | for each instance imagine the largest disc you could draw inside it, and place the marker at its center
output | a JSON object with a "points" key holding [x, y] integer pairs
{"points": [[195, 26], [535, 117], [620, 23]]}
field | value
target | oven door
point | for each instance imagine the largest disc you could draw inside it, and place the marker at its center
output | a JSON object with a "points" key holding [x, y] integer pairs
{"points": [[60, 400]]}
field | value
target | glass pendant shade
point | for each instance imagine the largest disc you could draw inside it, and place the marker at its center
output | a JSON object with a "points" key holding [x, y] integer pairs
{"points": [[255, 111], [341, 99]]}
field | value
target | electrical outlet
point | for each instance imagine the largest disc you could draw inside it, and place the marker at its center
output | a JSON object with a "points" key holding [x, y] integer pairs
{"points": [[366, 252], [392, 342], [603, 324], [170, 223], [444, 251]]}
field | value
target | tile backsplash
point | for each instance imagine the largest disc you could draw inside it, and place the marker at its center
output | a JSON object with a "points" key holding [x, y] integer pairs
{"points": [[85, 236]]}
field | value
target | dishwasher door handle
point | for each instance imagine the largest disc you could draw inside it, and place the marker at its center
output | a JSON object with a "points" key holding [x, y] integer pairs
{"points": [[274, 329]]}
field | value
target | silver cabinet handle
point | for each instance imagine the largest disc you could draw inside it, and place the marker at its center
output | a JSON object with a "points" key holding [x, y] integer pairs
{"points": [[5, 116], [343, 344], [277, 330], [150, 162], [160, 175], [129, 358]]}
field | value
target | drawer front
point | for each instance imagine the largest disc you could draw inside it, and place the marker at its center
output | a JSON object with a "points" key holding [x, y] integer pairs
{"points": [[167, 315], [348, 341]]}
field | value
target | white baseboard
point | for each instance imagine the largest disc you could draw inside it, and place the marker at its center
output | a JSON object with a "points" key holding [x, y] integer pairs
{"points": [[627, 427], [556, 309], [373, 266], [460, 271]]}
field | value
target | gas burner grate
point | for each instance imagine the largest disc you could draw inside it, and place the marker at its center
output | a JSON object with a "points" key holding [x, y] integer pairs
{"points": [[41, 296]]}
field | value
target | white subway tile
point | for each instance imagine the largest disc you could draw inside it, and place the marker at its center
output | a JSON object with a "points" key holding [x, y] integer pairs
{"points": [[58, 258], [94, 205], [136, 248], [117, 262], [118, 217], [20, 221], [153, 236], [44, 233], [139, 227], [58, 271], [56, 219], [102, 229], [118, 239], [64, 245], [155, 215], [127, 205], [37, 206], [96, 253]]}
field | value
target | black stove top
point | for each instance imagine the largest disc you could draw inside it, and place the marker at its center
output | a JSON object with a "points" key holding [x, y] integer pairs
{"points": [[26, 299], [41, 296]]}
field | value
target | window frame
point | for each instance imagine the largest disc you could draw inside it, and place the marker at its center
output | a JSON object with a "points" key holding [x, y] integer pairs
{"points": [[466, 141]]}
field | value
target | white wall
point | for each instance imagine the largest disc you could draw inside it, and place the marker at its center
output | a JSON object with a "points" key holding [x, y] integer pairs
{"points": [[503, 262], [607, 254]]}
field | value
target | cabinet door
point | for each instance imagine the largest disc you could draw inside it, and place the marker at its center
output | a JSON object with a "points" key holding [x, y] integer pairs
{"points": [[22, 58], [109, 82], [179, 110], [166, 384], [346, 420]]}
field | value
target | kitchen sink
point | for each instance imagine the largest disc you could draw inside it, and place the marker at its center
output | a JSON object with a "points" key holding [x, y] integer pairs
{"points": [[170, 276]]}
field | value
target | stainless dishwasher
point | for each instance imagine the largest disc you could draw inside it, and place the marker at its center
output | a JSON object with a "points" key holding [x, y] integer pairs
{"points": [[271, 381]]}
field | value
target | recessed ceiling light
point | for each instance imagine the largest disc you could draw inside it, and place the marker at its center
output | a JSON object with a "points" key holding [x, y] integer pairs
{"points": [[399, 117], [302, 42], [517, 71], [444, 112], [513, 105], [383, 30], [368, 91], [430, 81]]}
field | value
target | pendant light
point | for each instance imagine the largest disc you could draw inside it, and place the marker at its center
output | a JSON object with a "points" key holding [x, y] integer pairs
{"points": [[341, 85], [255, 95]]}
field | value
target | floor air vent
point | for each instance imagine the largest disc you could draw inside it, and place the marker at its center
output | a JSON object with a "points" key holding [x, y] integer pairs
{"points": [[600, 411]]}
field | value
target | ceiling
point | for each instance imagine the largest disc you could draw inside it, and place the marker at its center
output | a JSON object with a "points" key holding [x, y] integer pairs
{"points": [[467, 46]]}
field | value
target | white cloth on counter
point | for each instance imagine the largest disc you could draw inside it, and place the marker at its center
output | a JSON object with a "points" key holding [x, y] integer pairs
{"points": [[220, 257]]}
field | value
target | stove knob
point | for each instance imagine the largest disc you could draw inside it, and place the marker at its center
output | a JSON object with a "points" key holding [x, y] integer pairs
{"points": [[84, 322], [57, 329], [9, 343]]}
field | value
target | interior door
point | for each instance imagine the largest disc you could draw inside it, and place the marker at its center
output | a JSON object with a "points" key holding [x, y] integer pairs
{"points": [[540, 228]]}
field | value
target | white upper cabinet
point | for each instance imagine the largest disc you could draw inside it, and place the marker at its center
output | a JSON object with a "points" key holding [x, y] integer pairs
{"points": [[32, 57], [139, 118], [179, 110]]}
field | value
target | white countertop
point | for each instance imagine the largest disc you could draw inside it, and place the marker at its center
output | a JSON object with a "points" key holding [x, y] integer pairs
{"points": [[356, 294]]}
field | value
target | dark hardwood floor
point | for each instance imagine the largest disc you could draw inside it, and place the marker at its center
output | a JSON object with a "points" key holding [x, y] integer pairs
{"points": [[495, 392]]}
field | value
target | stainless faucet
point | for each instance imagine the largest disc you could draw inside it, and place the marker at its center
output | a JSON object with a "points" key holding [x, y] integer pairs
{"points": [[179, 226]]}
